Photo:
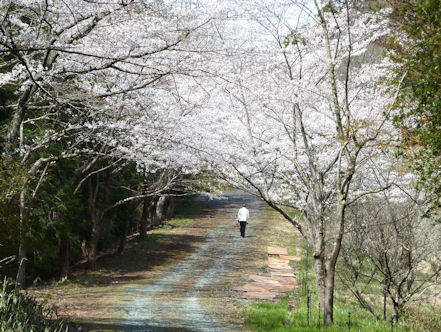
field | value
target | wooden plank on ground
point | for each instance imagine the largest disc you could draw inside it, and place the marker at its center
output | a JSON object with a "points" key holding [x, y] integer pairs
{"points": [[285, 280], [268, 279], [277, 261], [277, 251], [283, 288], [280, 267], [290, 258], [282, 274], [268, 285], [253, 287]]}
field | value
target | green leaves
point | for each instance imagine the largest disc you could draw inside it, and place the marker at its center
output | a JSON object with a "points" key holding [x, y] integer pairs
{"points": [[420, 102], [293, 39], [20, 312]]}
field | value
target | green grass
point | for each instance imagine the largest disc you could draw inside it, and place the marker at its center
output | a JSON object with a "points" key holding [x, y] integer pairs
{"points": [[279, 316], [290, 313]]}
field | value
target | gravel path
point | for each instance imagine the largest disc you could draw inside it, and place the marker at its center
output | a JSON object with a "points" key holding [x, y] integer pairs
{"points": [[175, 301]]}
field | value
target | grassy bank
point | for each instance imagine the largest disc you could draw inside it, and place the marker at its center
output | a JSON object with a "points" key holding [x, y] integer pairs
{"points": [[299, 311]]}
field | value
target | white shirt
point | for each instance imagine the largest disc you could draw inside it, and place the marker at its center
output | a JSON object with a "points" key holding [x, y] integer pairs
{"points": [[243, 214]]}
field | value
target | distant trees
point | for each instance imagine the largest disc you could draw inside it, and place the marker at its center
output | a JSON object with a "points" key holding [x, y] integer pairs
{"points": [[417, 49]]}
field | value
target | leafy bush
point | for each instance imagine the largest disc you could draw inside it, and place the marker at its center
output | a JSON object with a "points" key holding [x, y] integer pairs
{"points": [[20, 312]]}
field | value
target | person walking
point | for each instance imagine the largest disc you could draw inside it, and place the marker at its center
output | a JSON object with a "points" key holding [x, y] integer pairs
{"points": [[242, 217]]}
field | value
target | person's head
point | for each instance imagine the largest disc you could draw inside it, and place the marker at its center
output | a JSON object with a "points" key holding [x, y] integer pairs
{"points": [[244, 205]]}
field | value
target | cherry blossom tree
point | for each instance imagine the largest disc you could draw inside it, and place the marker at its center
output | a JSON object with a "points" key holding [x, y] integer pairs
{"points": [[79, 70], [284, 98], [305, 121]]}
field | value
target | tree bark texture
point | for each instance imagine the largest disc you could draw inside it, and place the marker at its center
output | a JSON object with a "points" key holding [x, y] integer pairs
{"points": [[93, 244], [142, 226], [152, 212], [122, 243], [328, 308], [64, 259], [319, 267], [170, 208], [161, 206], [97, 218], [18, 116], [22, 250]]}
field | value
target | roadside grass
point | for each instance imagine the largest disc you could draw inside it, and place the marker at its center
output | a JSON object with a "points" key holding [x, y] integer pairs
{"points": [[291, 312], [280, 316], [19, 311], [280, 232]]}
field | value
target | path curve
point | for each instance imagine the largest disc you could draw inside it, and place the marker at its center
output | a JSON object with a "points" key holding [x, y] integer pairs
{"points": [[175, 301]]}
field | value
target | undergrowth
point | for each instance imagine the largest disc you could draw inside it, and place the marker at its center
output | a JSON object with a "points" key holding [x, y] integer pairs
{"points": [[19, 312], [291, 312]]}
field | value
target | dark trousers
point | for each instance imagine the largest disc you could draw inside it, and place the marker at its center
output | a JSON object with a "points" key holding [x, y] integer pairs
{"points": [[243, 224]]}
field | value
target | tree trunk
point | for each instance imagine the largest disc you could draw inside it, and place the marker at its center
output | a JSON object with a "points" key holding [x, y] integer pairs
{"points": [[170, 208], [319, 267], [396, 312], [152, 213], [97, 221], [22, 254], [161, 209], [328, 308], [22, 259], [18, 116], [331, 262], [142, 226], [93, 244], [84, 250], [122, 243], [64, 259]]}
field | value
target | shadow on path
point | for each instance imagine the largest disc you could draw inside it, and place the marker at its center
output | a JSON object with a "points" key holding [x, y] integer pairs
{"points": [[177, 300]]}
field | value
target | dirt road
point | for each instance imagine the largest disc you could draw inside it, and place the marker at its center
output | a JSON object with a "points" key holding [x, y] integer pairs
{"points": [[180, 279], [177, 300]]}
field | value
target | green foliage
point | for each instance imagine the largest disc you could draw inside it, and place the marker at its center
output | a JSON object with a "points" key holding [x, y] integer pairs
{"points": [[12, 177], [8, 236], [59, 214], [419, 105], [19, 312]]}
